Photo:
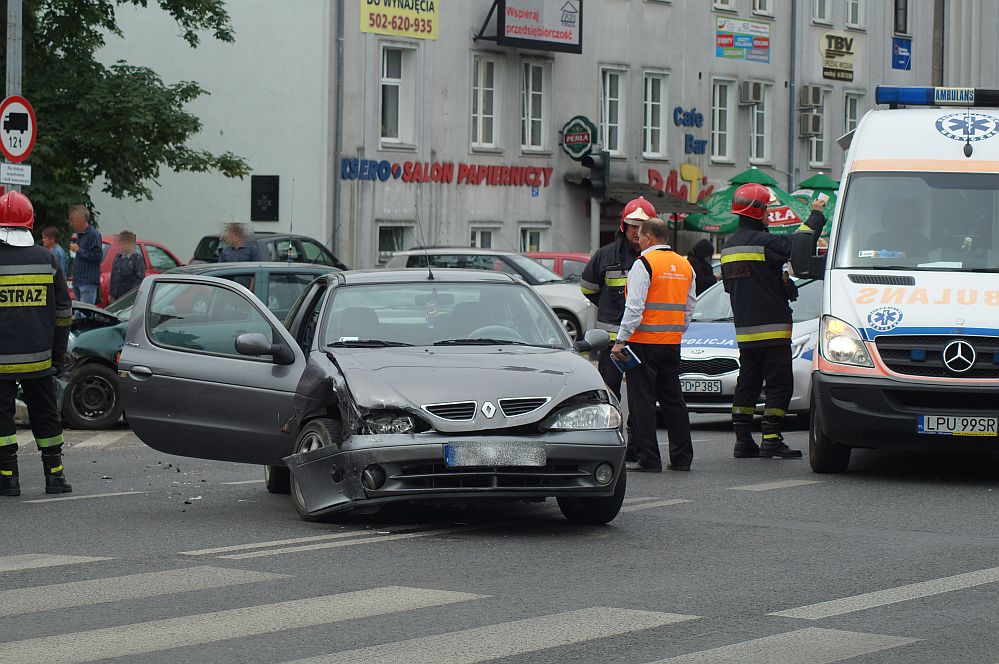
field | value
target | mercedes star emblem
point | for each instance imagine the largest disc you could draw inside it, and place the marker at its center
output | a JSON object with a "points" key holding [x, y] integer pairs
{"points": [[959, 356], [489, 410]]}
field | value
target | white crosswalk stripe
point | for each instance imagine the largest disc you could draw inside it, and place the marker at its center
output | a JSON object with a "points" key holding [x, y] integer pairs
{"points": [[85, 497], [655, 503], [803, 646], [772, 486], [509, 639], [39, 560], [103, 439], [119, 588], [201, 629], [295, 540]]}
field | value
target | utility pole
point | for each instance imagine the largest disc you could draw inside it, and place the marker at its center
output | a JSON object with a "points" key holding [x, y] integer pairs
{"points": [[14, 49]]}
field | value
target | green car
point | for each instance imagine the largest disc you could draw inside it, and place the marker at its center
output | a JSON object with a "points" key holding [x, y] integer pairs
{"points": [[91, 399]]}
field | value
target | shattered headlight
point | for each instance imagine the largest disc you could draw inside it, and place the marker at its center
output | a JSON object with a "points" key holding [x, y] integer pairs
{"points": [[600, 416], [390, 423]]}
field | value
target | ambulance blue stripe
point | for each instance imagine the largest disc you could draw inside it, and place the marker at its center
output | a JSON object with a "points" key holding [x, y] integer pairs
{"points": [[869, 333]]}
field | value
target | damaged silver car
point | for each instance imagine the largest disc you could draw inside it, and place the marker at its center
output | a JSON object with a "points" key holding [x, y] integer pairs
{"points": [[380, 386]]}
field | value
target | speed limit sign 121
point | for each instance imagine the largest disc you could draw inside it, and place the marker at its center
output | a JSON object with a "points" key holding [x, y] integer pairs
{"points": [[17, 128]]}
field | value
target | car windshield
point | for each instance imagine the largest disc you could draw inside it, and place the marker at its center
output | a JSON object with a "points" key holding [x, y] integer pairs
{"points": [[920, 221], [533, 272], [714, 305], [427, 314], [122, 307]]}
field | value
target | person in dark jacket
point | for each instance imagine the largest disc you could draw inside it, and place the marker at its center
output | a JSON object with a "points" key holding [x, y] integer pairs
{"points": [[603, 281], [129, 267], [88, 253], [699, 260], [752, 263], [239, 247]]}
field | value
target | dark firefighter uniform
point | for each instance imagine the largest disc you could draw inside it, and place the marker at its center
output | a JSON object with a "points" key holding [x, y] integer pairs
{"points": [[35, 315], [752, 263]]}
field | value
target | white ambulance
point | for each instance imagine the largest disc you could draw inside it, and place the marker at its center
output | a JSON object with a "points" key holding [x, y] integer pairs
{"points": [[909, 333]]}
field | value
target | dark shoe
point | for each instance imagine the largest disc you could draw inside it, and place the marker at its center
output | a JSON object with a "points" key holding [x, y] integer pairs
{"points": [[10, 485], [56, 483], [639, 468], [630, 458], [778, 449], [746, 450], [672, 467]]}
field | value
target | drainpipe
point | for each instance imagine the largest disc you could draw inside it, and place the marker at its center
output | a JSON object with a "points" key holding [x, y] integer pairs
{"points": [[792, 94], [938, 42], [337, 133]]}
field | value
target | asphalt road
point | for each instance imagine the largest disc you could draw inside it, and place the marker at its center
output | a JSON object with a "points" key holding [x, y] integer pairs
{"points": [[160, 559]]}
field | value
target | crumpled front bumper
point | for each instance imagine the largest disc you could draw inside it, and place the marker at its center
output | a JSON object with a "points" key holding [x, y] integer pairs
{"points": [[330, 479]]}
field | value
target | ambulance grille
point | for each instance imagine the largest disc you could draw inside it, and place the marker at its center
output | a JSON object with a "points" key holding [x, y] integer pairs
{"points": [[883, 279], [922, 355]]}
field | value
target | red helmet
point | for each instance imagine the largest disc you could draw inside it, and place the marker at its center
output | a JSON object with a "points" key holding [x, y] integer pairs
{"points": [[751, 200], [636, 211], [17, 218]]}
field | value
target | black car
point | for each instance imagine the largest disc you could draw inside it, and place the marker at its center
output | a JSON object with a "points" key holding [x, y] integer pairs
{"points": [[382, 386], [273, 247]]}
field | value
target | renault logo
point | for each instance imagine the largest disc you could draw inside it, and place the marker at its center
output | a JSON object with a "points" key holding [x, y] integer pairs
{"points": [[489, 410], [959, 356]]}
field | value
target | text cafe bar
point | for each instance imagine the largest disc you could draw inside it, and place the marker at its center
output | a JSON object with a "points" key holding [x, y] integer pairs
{"points": [[445, 173]]}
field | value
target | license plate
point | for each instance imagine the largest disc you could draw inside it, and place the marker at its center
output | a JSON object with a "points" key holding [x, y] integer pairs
{"points": [[465, 454], [701, 385], [957, 425]]}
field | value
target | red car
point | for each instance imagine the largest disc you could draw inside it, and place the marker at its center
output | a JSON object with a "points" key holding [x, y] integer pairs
{"points": [[567, 265], [158, 259]]}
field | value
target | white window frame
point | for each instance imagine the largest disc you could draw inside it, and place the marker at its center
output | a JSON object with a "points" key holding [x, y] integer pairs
{"points": [[823, 138], [476, 229], [408, 235], [860, 6], [526, 110], [655, 149], [478, 114], [858, 98], [725, 5], [824, 17], [763, 7], [622, 109], [533, 228], [406, 128], [717, 155], [762, 114]]}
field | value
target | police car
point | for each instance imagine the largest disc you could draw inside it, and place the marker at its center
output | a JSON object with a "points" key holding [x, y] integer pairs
{"points": [[709, 356]]}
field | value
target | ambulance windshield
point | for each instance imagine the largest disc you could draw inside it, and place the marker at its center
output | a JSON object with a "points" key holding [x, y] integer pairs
{"points": [[920, 221]]}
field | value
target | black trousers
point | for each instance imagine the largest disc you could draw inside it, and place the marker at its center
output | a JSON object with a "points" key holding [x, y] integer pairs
{"points": [[613, 377], [658, 378], [770, 365], [40, 396]]}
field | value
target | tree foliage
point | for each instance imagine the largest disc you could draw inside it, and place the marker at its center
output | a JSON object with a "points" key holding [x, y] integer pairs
{"points": [[117, 123]]}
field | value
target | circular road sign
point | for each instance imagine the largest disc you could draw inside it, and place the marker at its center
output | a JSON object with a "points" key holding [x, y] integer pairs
{"points": [[17, 128], [579, 135]]}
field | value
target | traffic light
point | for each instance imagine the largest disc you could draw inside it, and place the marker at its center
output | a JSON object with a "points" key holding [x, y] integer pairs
{"points": [[598, 182]]}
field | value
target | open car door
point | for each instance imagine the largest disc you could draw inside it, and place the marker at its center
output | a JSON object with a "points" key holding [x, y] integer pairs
{"points": [[207, 371]]}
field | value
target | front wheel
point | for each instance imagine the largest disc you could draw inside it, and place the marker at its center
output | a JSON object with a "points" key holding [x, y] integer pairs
{"points": [[277, 479], [595, 511], [92, 400], [825, 455], [318, 433], [571, 325]]}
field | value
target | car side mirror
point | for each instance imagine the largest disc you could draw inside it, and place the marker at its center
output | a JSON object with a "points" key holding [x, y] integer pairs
{"points": [[255, 344], [593, 340], [804, 261]]}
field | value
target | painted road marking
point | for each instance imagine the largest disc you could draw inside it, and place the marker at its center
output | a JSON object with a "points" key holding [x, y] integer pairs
{"points": [[803, 646], [509, 639], [38, 560], [295, 540], [192, 630], [119, 588], [86, 497], [878, 598], [103, 439], [639, 499], [243, 482], [771, 486], [658, 503]]}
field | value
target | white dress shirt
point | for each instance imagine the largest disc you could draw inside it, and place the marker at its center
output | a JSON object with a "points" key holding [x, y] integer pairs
{"points": [[638, 290]]}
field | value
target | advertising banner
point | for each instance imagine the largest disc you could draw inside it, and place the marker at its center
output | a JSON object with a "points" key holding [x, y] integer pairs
{"points": [[901, 53], [838, 51], [550, 25], [400, 18], [742, 39]]}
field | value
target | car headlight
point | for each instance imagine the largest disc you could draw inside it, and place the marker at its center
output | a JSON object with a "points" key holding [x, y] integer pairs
{"points": [[390, 423], [798, 346], [840, 343], [600, 416]]}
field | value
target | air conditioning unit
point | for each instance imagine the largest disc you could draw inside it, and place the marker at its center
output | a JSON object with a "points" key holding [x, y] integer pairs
{"points": [[810, 96], [750, 92], [809, 124]]}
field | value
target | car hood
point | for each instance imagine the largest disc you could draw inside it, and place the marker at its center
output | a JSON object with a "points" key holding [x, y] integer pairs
{"points": [[561, 289], [411, 378]]}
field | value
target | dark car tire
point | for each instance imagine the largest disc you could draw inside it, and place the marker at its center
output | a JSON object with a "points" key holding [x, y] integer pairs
{"points": [[824, 454], [92, 399], [571, 325], [277, 479], [595, 511], [318, 433]]}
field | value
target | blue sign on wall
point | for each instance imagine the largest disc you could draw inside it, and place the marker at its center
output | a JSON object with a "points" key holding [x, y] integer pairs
{"points": [[901, 53]]}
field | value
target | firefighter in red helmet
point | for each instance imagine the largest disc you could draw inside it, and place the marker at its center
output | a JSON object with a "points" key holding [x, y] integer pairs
{"points": [[35, 314], [603, 282], [752, 263]]}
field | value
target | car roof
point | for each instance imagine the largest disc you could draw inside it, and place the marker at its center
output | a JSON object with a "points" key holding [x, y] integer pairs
{"points": [[456, 250], [208, 268], [575, 255], [417, 275]]}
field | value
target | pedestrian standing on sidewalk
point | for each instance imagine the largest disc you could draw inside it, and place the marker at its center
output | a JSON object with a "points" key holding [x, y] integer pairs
{"points": [[50, 240], [603, 281], [35, 315], [129, 267], [660, 298], [89, 252]]}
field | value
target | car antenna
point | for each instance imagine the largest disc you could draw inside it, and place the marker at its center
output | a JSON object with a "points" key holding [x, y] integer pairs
{"points": [[423, 243], [967, 135]]}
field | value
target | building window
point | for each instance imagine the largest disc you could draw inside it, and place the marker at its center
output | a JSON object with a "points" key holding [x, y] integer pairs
{"points": [[817, 153], [532, 238], [392, 240], [725, 4], [851, 112], [761, 128], [764, 7], [533, 101], [654, 105], [398, 102], [483, 102], [721, 106], [902, 17], [612, 91], [482, 238], [855, 13], [822, 11]]}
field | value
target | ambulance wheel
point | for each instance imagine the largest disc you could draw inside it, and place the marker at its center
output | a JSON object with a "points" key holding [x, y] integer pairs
{"points": [[825, 455]]}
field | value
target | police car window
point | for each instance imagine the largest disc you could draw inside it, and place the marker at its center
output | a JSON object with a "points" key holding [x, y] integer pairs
{"points": [[713, 305]]}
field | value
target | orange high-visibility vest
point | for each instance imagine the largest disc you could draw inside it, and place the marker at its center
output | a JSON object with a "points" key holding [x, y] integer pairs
{"points": [[666, 304]]}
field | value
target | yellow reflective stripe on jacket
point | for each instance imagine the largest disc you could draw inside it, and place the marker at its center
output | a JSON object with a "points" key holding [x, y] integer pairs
{"points": [[618, 283], [744, 256], [29, 367], [50, 442], [22, 279]]}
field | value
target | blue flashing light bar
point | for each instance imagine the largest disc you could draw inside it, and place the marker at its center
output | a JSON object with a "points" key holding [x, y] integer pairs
{"points": [[931, 96]]}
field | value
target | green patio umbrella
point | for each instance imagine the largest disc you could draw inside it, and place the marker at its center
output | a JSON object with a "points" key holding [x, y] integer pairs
{"points": [[784, 214], [820, 183], [753, 175]]}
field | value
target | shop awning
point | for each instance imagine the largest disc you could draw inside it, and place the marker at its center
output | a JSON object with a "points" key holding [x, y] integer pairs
{"points": [[666, 204]]}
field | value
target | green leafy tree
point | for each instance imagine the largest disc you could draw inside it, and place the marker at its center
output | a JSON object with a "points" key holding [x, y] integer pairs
{"points": [[119, 122]]}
